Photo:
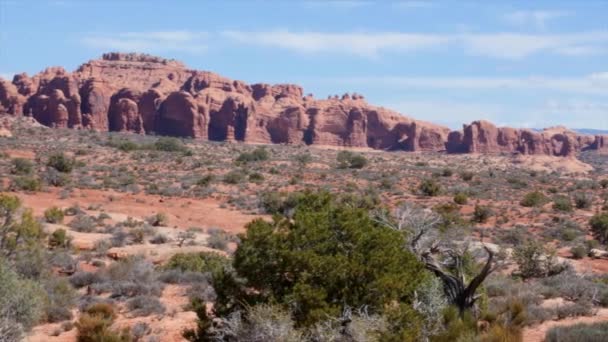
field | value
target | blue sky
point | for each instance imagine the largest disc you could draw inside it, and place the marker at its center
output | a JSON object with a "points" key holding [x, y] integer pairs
{"points": [[517, 63]]}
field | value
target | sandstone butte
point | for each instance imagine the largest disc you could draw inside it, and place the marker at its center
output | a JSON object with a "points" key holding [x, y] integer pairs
{"points": [[139, 93]]}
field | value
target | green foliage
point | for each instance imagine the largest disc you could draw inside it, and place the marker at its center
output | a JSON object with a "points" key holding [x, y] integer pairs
{"points": [[21, 300], [481, 214], [22, 166], [168, 144], [205, 180], [582, 200], [234, 177], [579, 252], [350, 160], [429, 187], [599, 226], [534, 260], [533, 199], [59, 239], [158, 219], [26, 183], [466, 176], [19, 230], [330, 255], [562, 203], [94, 326], [198, 262], [53, 215], [61, 163], [61, 296], [204, 324], [259, 154], [461, 198]]}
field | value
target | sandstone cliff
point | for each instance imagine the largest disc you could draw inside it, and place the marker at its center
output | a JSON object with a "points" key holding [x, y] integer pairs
{"points": [[145, 94]]}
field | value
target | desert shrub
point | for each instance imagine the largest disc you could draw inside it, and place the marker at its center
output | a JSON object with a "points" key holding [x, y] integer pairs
{"points": [[61, 296], [303, 158], [53, 215], [198, 262], [533, 259], [466, 176], [259, 154], [61, 163], [158, 219], [595, 332], [582, 200], [21, 300], [562, 203], [59, 239], [604, 183], [579, 251], [234, 177], [461, 198], [447, 173], [139, 330], [449, 214], [94, 325], [20, 230], [83, 223], [429, 187], [82, 279], [347, 159], [168, 144], [145, 306], [159, 239], [256, 177], [218, 239], [481, 213], [599, 226], [26, 183], [22, 166], [315, 263], [205, 180], [129, 278], [533, 199]]}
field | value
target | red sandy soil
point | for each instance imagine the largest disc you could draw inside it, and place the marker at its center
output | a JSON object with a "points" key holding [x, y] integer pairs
{"points": [[537, 333], [182, 212], [168, 328]]}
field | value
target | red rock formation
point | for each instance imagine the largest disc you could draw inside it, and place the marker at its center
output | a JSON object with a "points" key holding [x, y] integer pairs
{"points": [[145, 94], [484, 137]]}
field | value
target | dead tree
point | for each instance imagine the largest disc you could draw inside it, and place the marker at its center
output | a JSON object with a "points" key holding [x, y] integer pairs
{"points": [[419, 225]]}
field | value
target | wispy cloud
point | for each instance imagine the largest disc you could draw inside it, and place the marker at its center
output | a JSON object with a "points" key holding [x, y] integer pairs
{"points": [[538, 19], [7, 75], [496, 45], [362, 44], [596, 83], [156, 41]]}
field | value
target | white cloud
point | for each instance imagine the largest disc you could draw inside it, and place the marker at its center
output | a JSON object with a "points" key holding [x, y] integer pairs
{"points": [[361, 44], [7, 75], [515, 46], [538, 19], [596, 83], [496, 45], [155, 41]]}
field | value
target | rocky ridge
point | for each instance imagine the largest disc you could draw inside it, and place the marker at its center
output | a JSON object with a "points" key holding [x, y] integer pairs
{"points": [[146, 94]]}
